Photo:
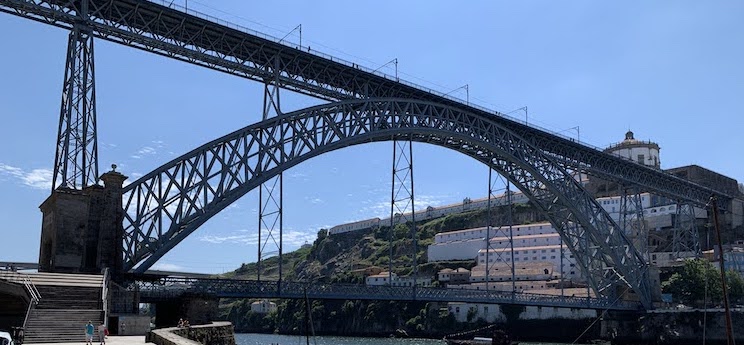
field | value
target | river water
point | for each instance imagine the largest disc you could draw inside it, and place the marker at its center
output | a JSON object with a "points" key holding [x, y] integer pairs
{"points": [[269, 339]]}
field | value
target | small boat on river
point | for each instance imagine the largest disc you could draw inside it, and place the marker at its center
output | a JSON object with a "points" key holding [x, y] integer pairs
{"points": [[489, 335]]}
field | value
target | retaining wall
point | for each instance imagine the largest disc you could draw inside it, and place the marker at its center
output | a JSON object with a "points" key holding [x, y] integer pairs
{"points": [[216, 333]]}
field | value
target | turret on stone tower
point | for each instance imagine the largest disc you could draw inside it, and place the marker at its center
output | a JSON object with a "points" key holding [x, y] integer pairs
{"points": [[642, 152]]}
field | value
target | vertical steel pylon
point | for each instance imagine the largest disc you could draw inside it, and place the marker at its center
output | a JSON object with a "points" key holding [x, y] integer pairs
{"points": [[632, 220], [402, 202], [685, 240], [270, 213], [76, 157], [499, 226]]}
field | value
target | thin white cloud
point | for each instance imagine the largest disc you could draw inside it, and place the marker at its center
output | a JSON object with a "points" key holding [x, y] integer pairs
{"points": [[39, 178], [163, 266], [145, 151], [297, 175], [132, 177], [314, 200], [9, 170], [36, 178], [291, 238]]}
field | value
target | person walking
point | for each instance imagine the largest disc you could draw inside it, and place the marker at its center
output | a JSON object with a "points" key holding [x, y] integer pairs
{"points": [[89, 329], [102, 333]]}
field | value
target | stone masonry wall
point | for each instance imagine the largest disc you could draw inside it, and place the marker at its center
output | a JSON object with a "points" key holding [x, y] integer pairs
{"points": [[216, 333], [679, 328]]}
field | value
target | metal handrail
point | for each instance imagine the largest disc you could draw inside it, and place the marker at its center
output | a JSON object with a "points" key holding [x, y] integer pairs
{"points": [[31, 288], [104, 295], [35, 295]]}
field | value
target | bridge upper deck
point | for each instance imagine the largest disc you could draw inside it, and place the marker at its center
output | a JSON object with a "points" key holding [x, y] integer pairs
{"points": [[207, 41]]}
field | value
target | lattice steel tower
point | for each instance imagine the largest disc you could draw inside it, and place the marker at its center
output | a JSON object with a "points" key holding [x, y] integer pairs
{"points": [[76, 158], [270, 193]]}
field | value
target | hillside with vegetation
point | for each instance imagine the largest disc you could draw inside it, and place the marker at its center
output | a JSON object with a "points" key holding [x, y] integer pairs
{"points": [[342, 258]]}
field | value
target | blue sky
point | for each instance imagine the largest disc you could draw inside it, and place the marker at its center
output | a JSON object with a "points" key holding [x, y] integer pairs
{"points": [[669, 70]]}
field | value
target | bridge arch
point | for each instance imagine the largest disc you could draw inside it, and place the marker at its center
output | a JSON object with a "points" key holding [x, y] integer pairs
{"points": [[165, 206]]}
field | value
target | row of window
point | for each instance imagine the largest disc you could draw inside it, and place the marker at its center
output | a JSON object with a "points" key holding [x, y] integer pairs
{"points": [[617, 201], [527, 251], [539, 227]]}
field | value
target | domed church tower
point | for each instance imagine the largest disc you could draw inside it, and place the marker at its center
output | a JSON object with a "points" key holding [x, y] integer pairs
{"points": [[643, 152]]}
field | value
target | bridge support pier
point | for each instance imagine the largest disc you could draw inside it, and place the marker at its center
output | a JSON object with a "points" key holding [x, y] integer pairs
{"points": [[81, 230], [196, 309]]}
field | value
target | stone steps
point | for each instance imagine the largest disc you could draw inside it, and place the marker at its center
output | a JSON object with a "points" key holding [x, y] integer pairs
{"points": [[60, 325], [65, 279], [68, 302], [67, 297]]}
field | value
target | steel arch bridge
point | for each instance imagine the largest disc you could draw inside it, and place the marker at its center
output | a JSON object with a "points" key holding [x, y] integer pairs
{"points": [[165, 206]]}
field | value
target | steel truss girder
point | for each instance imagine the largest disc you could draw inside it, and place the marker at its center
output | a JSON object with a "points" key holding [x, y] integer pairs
{"points": [[685, 237], [169, 32], [402, 201], [76, 157], [499, 225], [270, 196], [166, 205], [632, 220]]}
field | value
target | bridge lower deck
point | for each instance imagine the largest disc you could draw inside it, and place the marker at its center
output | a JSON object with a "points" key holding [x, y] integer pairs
{"points": [[172, 287]]}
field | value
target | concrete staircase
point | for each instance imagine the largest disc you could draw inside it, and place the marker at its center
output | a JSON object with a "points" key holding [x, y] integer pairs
{"points": [[60, 325], [68, 302]]}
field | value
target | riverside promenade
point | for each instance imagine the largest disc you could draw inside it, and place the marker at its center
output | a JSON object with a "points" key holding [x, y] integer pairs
{"points": [[112, 340]]}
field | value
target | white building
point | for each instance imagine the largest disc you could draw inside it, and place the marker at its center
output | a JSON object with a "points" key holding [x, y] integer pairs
{"points": [[383, 278], [641, 152], [263, 307], [458, 276], [492, 312], [527, 256], [613, 206], [354, 226], [670, 259], [499, 272], [456, 250], [410, 281], [466, 244]]}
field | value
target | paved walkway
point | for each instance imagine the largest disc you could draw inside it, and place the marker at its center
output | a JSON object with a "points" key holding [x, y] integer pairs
{"points": [[112, 340]]}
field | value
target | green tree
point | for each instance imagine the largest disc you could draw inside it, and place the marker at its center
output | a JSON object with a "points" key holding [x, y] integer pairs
{"points": [[689, 285], [402, 231], [735, 285]]}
